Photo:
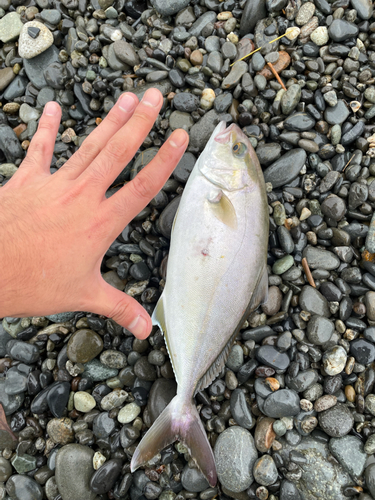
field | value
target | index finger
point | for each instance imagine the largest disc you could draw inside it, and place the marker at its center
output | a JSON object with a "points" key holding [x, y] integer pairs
{"points": [[124, 205]]}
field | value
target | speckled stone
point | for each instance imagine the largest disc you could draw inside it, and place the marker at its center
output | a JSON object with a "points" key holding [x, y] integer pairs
{"points": [[348, 450], [60, 430], [320, 477], [29, 47], [336, 421]]}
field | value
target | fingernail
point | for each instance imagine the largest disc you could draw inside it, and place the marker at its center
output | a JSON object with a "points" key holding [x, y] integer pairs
{"points": [[151, 98], [50, 109], [178, 139], [139, 327], [126, 103]]}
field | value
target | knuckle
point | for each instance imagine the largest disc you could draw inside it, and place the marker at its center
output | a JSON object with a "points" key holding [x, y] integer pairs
{"points": [[121, 312], [144, 118], [116, 151], [142, 186]]}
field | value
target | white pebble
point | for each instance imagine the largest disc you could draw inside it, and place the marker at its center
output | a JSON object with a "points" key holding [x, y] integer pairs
{"points": [[128, 413], [98, 460], [83, 401], [320, 36]]}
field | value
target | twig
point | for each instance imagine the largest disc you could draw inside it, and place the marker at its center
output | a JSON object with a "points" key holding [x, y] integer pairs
{"points": [[348, 162], [276, 75], [306, 268]]}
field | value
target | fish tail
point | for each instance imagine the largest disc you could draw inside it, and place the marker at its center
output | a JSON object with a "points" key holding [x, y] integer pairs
{"points": [[179, 421]]}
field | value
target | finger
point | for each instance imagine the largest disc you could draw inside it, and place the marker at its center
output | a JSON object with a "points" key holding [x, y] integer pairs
{"points": [[123, 309], [97, 140], [135, 195], [121, 148], [40, 151]]}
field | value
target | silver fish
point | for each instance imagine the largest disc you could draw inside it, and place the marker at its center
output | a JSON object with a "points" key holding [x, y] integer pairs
{"points": [[216, 275]]}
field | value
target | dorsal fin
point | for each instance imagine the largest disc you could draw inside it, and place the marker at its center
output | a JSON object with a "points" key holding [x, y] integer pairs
{"points": [[259, 296]]}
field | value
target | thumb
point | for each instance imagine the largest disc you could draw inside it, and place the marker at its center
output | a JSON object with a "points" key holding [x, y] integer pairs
{"points": [[123, 309]]}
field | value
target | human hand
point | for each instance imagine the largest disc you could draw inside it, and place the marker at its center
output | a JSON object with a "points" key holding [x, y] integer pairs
{"points": [[55, 229]]}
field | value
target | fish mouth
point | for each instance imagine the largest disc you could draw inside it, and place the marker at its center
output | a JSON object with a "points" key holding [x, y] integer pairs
{"points": [[224, 133]]}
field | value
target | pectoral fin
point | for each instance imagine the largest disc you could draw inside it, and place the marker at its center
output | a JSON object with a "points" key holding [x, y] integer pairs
{"points": [[224, 210], [158, 316]]}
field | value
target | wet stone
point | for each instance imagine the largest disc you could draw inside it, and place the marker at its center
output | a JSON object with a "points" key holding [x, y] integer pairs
{"points": [[282, 403], [320, 477], [193, 480], [363, 351], [21, 351], [84, 345], [348, 450], [334, 360], [22, 487], [240, 410], [319, 330], [234, 470], [286, 168], [235, 358], [313, 301], [186, 102], [318, 258], [103, 425], [340, 30], [265, 471], [60, 430], [75, 460], [161, 394], [105, 477], [270, 356], [336, 421]]}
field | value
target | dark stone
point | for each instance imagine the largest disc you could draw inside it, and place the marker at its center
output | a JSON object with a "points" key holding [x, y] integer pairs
{"points": [[105, 477]]}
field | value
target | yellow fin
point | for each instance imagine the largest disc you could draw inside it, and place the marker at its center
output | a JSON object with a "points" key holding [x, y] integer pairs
{"points": [[224, 211]]}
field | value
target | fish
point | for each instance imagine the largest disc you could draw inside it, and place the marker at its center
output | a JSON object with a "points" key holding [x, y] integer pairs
{"points": [[216, 276]]}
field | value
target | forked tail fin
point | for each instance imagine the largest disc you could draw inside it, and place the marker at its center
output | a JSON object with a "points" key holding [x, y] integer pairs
{"points": [[179, 421]]}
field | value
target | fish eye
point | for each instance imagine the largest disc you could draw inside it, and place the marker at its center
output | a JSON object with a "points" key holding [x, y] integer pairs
{"points": [[239, 149]]}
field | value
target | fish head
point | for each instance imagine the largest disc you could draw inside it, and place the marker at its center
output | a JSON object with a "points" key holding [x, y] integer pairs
{"points": [[229, 160]]}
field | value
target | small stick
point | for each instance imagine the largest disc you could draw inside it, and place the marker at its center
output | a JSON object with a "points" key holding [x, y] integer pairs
{"points": [[306, 268], [256, 50], [276, 75], [348, 162]]}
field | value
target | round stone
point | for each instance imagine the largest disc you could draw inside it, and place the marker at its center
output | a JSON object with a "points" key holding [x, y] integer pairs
{"points": [[60, 430], [320, 36], [84, 402], [265, 471], [334, 360], [336, 421], [193, 480], [128, 413], [113, 400], [234, 469], [84, 345]]}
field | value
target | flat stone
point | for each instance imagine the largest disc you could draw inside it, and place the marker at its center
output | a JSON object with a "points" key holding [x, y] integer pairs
{"points": [[286, 168], [340, 30], [75, 461], [36, 66], [7, 75], [317, 258], [10, 27], [234, 469], [264, 434], [320, 478], [126, 53], [313, 301], [9, 144], [319, 330], [240, 410], [348, 450]]}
